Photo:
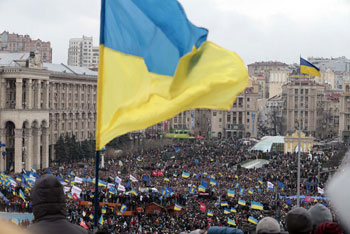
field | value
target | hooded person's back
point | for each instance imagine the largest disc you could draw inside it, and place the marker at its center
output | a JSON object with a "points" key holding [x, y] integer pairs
{"points": [[49, 208]]}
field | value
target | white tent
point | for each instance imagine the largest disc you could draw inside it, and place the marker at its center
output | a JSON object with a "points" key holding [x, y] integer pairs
{"points": [[266, 143]]}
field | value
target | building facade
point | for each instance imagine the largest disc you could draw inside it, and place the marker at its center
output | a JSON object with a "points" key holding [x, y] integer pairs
{"points": [[344, 113], [15, 43], [38, 103], [241, 120], [82, 53], [303, 96]]}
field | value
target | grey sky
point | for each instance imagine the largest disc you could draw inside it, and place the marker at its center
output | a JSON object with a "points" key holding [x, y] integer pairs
{"points": [[258, 30]]}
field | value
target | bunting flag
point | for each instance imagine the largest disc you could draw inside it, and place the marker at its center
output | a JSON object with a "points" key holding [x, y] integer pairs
{"points": [[224, 203], [270, 186], [185, 174], [177, 207], [83, 224], [201, 188], [133, 179], [230, 193], [101, 221], [133, 191], [231, 222], [21, 194], [252, 220], [256, 205], [123, 208], [202, 207], [210, 213], [15, 221], [241, 202]]}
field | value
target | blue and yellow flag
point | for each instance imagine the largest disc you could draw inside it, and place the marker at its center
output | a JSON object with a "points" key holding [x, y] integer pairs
{"points": [[231, 222], [256, 205], [101, 220], [123, 208], [210, 213], [227, 211], [252, 220], [241, 202], [185, 174], [308, 68], [21, 194], [201, 188], [233, 210], [154, 63], [230, 193], [91, 216], [224, 203], [177, 207]]}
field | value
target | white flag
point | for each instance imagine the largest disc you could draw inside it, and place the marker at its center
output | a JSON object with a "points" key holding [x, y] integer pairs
{"points": [[76, 190], [270, 185], [320, 190], [109, 185], [118, 180], [66, 189], [78, 180], [121, 188], [133, 179]]}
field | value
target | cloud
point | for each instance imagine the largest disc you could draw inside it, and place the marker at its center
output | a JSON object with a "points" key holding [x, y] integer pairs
{"points": [[257, 30]]}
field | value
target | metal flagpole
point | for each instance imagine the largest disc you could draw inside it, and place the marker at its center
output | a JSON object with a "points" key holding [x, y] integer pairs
{"points": [[96, 189], [299, 142]]}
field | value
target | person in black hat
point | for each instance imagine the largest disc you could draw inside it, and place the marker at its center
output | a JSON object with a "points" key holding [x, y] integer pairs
{"points": [[299, 220], [49, 208]]}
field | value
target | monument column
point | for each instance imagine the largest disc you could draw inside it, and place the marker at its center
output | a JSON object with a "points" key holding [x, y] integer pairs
{"points": [[45, 148], [36, 148], [29, 148], [18, 150], [19, 86]]}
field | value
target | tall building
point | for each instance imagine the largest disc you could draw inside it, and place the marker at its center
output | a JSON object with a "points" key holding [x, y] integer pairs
{"points": [[344, 115], [15, 43], [305, 95], [241, 120], [38, 103], [275, 73], [82, 53]]}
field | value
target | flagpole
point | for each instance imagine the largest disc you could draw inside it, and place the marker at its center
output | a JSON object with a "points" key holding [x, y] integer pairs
{"points": [[96, 189], [299, 142]]}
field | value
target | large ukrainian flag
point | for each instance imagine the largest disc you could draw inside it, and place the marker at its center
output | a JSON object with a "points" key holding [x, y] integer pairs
{"points": [[308, 68], [154, 64]]}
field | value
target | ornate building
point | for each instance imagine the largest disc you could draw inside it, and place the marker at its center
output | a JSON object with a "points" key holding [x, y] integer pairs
{"points": [[38, 103], [15, 43]]}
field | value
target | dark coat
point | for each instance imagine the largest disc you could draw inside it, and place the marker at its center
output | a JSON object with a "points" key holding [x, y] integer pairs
{"points": [[49, 208]]}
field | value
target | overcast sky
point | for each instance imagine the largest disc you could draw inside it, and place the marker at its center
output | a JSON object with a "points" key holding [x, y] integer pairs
{"points": [[258, 30]]}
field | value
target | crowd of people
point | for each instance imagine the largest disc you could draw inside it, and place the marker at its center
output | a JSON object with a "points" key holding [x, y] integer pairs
{"points": [[193, 184]]}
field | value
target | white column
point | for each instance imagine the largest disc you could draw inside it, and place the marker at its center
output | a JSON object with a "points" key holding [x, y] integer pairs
{"points": [[46, 94], [29, 94], [18, 150], [37, 94], [29, 148], [2, 139], [19, 86], [2, 93], [45, 148], [36, 148]]}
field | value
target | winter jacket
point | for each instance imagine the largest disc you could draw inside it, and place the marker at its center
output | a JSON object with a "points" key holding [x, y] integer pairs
{"points": [[49, 208]]}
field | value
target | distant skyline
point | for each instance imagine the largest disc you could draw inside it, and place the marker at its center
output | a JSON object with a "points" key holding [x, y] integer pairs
{"points": [[270, 30]]}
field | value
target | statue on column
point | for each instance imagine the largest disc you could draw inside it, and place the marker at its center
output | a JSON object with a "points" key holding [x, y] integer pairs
{"points": [[35, 60]]}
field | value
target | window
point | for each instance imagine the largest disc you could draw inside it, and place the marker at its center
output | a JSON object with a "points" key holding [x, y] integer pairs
{"points": [[220, 120], [214, 113], [248, 99]]}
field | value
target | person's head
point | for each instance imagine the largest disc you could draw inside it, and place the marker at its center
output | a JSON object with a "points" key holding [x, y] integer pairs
{"points": [[48, 197], [268, 225], [328, 227], [320, 214], [299, 221]]}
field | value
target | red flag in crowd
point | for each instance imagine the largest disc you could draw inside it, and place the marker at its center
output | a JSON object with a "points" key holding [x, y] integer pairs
{"points": [[160, 173], [83, 224], [210, 220], [154, 173], [75, 197], [309, 199], [202, 207]]}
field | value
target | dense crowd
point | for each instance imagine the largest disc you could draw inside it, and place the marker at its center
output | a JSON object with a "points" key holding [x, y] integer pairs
{"points": [[174, 175]]}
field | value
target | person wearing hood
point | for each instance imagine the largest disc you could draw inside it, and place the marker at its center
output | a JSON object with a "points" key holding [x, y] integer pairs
{"points": [[49, 208]]}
